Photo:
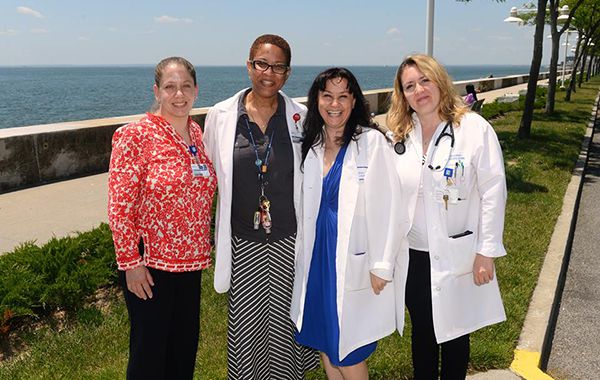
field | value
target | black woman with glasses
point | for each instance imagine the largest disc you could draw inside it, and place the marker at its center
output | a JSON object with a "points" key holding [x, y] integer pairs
{"points": [[452, 176], [254, 139]]}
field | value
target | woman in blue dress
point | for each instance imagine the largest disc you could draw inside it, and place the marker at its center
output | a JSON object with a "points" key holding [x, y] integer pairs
{"points": [[352, 229]]}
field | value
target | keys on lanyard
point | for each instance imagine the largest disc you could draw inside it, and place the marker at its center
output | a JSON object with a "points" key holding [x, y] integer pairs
{"points": [[262, 216]]}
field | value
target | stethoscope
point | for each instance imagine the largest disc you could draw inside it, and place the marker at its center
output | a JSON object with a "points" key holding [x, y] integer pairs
{"points": [[447, 131], [444, 133], [399, 146]]}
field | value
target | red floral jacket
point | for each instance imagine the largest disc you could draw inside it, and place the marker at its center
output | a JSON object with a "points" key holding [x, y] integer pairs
{"points": [[154, 196]]}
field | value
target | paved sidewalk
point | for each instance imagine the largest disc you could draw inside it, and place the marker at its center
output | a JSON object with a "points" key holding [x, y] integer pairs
{"points": [[575, 350], [56, 209]]}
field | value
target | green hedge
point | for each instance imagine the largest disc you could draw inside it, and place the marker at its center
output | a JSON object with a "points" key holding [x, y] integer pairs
{"points": [[35, 281], [495, 109]]}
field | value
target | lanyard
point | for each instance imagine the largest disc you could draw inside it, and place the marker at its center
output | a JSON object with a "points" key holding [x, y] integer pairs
{"points": [[262, 216], [261, 165], [194, 152]]}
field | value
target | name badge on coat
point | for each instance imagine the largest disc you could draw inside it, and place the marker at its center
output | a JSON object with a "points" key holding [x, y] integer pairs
{"points": [[362, 172]]}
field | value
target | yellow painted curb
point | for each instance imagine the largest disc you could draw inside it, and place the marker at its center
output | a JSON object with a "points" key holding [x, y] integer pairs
{"points": [[525, 364]]}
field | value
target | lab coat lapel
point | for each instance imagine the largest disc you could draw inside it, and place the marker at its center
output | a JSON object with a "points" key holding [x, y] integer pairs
{"points": [[226, 133], [347, 199]]}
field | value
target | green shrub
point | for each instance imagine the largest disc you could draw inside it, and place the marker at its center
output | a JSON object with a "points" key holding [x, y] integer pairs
{"points": [[495, 109], [35, 281]]}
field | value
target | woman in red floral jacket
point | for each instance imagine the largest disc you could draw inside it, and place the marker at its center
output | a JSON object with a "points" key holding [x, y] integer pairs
{"points": [[161, 185]]}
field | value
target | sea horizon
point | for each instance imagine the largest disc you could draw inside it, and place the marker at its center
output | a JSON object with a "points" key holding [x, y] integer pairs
{"points": [[44, 94]]}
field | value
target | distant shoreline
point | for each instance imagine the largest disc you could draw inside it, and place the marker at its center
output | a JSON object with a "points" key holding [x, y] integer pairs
{"points": [[34, 95], [117, 65]]}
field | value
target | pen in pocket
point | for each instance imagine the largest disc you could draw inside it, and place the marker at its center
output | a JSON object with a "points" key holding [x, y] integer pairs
{"points": [[467, 232]]}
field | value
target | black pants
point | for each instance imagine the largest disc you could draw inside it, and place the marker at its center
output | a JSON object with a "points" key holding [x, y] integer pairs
{"points": [[425, 349], [164, 331]]}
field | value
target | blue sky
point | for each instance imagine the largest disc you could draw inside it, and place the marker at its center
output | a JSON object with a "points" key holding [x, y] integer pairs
{"points": [[219, 32]]}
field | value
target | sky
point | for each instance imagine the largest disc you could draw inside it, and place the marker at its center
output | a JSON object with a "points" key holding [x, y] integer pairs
{"points": [[220, 32]]}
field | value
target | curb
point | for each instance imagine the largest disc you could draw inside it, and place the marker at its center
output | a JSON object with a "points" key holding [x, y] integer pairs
{"points": [[535, 342]]}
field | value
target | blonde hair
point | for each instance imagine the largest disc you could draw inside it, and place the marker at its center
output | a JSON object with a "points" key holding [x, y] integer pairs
{"points": [[451, 107]]}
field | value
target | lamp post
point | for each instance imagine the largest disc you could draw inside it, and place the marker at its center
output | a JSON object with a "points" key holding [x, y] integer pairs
{"points": [[562, 79], [514, 14], [429, 27], [564, 16]]}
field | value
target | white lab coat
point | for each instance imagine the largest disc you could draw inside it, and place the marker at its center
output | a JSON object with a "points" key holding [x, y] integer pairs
{"points": [[370, 229], [459, 306], [219, 136]]}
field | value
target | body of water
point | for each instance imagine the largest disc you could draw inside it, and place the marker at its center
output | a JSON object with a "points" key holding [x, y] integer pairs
{"points": [[41, 95]]}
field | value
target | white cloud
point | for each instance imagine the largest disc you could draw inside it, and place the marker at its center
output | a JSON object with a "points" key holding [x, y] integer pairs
{"points": [[164, 19], [112, 29], [39, 31], [8, 32], [29, 11], [82, 38], [393, 30]]}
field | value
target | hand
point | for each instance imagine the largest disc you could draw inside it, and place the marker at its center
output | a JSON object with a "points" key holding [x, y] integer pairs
{"points": [[377, 283], [139, 282], [483, 269]]}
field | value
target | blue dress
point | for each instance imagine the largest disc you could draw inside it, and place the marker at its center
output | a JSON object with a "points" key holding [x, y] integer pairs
{"points": [[320, 328]]}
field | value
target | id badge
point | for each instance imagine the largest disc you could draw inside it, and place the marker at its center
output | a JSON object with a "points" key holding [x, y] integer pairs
{"points": [[297, 136], [200, 170], [362, 172]]}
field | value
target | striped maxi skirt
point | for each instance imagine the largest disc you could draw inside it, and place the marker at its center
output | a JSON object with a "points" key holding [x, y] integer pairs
{"points": [[260, 335]]}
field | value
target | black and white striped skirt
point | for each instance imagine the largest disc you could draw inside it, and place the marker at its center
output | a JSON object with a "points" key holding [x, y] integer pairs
{"points": [[260, 336]]}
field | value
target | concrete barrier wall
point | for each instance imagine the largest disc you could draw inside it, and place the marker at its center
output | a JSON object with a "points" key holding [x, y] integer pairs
{"points": [[39, 154]]}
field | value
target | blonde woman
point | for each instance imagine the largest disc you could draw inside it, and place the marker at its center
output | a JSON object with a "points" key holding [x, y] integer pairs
{"points": [[452, 176]]}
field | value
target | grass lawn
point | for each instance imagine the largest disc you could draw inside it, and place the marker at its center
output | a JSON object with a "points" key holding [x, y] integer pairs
{"points": [[94, 343]]}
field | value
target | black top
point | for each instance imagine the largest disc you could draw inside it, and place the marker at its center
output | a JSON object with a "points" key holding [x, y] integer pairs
{"points": [[280, 176]]}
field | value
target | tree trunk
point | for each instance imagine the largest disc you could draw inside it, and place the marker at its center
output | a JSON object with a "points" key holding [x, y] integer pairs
{"points": [[583, 61], [553, 59], [571, 87], [550, 99], [534, 71]]}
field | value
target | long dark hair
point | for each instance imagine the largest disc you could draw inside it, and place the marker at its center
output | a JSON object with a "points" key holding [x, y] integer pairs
{"points": [[471, 90], [313, 123]]}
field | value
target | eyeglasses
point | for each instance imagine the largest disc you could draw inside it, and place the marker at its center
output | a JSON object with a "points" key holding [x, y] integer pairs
{"points": [[277, 68]]}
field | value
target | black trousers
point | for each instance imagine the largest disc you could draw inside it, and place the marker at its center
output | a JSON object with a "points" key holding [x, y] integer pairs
{"points": [[164, 330], [425, 349]]}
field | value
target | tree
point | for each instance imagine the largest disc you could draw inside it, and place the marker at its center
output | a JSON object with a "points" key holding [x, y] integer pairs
{"points": [[553, 11], [587, 22], [534, 71], [552, 18]]}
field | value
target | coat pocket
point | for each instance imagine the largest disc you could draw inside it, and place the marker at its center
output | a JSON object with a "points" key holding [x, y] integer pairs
{"points": [[461, 254], [357, 272]]}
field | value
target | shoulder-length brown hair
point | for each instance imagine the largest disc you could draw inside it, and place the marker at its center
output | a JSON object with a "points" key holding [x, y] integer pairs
{"points": [[451, 107]]}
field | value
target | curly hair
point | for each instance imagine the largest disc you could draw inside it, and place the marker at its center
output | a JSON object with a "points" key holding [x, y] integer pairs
{"points": [[271, 39]]}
